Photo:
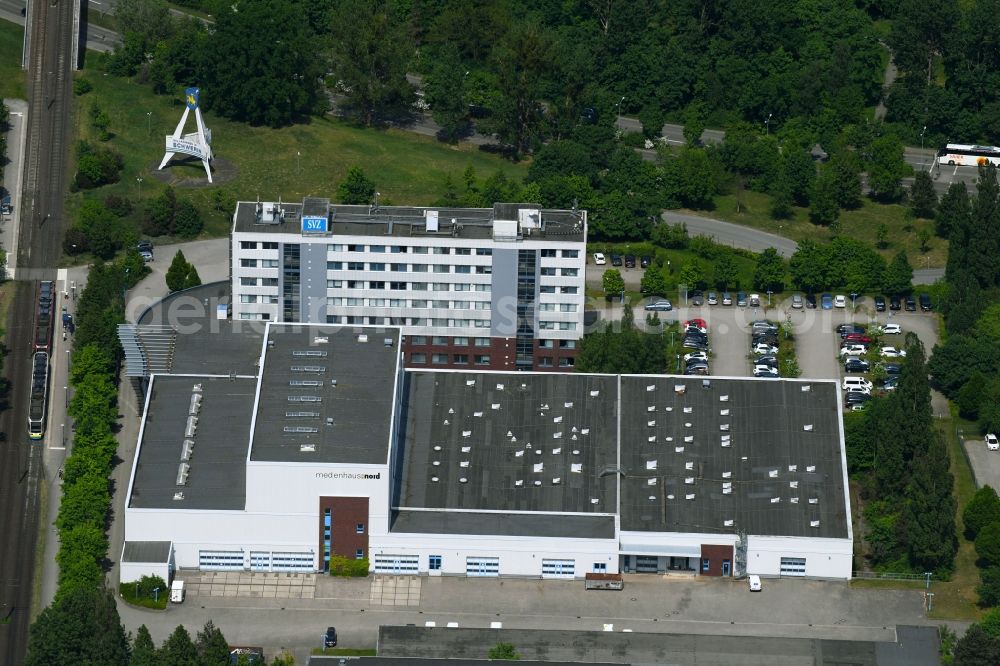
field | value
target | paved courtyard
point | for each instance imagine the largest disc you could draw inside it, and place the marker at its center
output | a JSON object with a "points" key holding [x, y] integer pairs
{"points": [[252, 585]]}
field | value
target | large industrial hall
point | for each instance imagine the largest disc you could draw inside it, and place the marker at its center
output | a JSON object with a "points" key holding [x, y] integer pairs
{"points": [[278, 447]]}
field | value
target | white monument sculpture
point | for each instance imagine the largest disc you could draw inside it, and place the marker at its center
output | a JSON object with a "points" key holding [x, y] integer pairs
{"points": [[198, 144]]}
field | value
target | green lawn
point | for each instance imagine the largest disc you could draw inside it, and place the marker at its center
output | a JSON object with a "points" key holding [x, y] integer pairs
{"points": [[11, 74], [754, 211], [292, 162]]}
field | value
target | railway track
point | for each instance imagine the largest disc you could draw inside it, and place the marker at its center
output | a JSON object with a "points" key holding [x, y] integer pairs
{"points": [[42, 223]]}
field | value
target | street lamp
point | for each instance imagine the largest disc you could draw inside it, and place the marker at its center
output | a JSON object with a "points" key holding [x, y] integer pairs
{"points": [[139, 180], [854, 300], [298, 163], [769, 292], [767, 124], [923, 158], [149, 121], [618, 111]]}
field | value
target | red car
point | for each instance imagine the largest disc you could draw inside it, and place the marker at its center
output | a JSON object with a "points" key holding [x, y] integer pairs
{"points": [[700, 323], [857, 337]]}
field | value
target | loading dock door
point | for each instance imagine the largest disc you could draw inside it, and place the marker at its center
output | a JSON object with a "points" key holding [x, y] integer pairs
{"points": [[793, 566], [396, 564], [482, 566]]}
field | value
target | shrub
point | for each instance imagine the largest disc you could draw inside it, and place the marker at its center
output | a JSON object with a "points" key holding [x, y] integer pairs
{"points": [[81, 86], [348, 567], [187, 221], [982, 509], [120, 206], [989, 589], [988, 544], [141, 593]]}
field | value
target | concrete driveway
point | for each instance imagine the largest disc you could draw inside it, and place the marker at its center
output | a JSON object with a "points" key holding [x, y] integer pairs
{"points": [[209, 257]]}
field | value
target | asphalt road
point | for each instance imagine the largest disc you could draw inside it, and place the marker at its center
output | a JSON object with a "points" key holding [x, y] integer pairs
{"points": [[96, 37], [40, 233]]}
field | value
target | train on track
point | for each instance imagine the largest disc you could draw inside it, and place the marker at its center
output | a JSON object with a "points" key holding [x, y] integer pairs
{"points": [[42, 347]]}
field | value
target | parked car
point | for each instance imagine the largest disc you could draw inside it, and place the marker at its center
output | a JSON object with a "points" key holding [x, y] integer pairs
{"points": [[852, 382], [892, 368], [629, 261], [713, 298], [895, 303], [727, 298], [696, 370], [797, 301], [992, 443], [741, 299], [764, 348], [767, 360], [880, 303], [911, 304], [330, 637], [695, 344], [697, 322], [754, 581], [890, 383], [826, 301], [616, 260], [850, 329], [856, 365], [765, 324], [925, 302], [840, 301], [599, 259], [853, 350], [766, 372], [146, 256], [645, 260], [144, 246], [857, 398], [852, 390], [697, 298], [662, 305], [892, 329], [810, 301], [700, 355], [755, 300], [892, 352], [857, 337]]}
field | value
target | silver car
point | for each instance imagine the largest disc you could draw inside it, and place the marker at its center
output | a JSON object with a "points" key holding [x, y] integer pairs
{"points": [[797, 301]]}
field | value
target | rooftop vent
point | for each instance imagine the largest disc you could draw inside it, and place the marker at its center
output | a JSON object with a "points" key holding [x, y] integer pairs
{"points": [[191, 427], [706, 383], [470, 382], [568, 405], [594, 394], [318, 340], [299, 429], [793, 484], [689, 480], [585, 431], [679, 389], [305, 382], [808, 427], [689, 496], [307, 448], [594, 500], [182, 473], [806, 388], [775, 500], [309, 368], [650, 464], [724, 427], [362, 338], [304, 398], [556, 480], [727, 475], [434, 479], [187, 449], [651, 408], [813, 523], [651, 481], [810, 468], [309, 352], [814, 500], [179, 496], [728, 523], [651, 438], [196, 388], [678, 449], [773, 473], [723, 398], [793, 468], [312, 415], [576, 468], [688, 410], [651, 424], [723, 412], [387, 342]]}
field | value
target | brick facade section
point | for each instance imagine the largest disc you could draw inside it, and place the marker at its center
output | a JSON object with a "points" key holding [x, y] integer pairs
{"points": [[502, 353], [346, 513], [715, 555]]}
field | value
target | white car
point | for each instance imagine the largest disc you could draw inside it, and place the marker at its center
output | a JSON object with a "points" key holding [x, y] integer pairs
{"points": [[858, 389], [764, 348], [754, 581], [599, 259], [697, 355], [892, 329], [853, 381], [765, 371], [840, 301], [992, 443], [853, 350], [755, 300], [892, 352]]}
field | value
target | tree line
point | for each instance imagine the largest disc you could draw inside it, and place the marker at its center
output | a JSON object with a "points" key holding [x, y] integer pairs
{"points": [[902, 464]]}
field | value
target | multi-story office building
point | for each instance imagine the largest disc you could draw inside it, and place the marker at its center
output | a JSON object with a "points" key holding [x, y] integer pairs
{"points": [[497, 288]]}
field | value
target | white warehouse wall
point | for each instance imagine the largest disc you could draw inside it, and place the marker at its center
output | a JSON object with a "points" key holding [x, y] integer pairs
{"points": [[519, 556], [294, 489], [825, 558], [678, 544]]}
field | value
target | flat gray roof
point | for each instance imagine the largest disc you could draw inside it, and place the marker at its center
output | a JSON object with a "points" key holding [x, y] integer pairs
{"points": [[204, 345], [915, 646], [146, 551], [217, 473], [677, 462], [297, 395], [408, 221], [509, 442], [502, 524]]}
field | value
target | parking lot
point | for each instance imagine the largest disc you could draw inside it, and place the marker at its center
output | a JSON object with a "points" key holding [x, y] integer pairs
{"points": [[817, 342], [985, 464]]}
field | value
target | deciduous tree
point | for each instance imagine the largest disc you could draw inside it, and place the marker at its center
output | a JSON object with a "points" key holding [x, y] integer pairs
{"points": [[923, 198], [356, 188], [613, 282], [81, 626], [982, 509]]}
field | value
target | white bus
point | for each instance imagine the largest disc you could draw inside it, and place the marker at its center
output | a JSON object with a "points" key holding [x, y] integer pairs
{"points": [[958, 154]]}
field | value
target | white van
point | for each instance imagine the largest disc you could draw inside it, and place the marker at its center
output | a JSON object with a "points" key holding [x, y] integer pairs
{"points": [[177, 591], [856, 383]]}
